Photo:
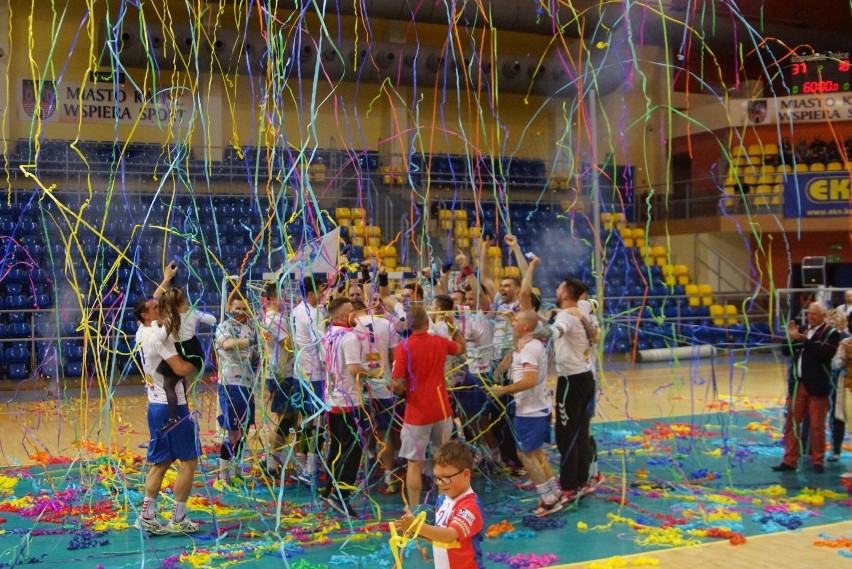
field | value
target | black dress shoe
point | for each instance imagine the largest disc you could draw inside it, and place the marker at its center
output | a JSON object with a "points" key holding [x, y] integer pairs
{"points": [[783, 467], [819, 469]]}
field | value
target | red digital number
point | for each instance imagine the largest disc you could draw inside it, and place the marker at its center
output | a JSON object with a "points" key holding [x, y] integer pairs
{"points": [[843, 65], [799, 69]]}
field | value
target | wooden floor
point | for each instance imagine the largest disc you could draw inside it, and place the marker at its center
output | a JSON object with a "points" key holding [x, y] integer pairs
{"points": [[35, 424]]}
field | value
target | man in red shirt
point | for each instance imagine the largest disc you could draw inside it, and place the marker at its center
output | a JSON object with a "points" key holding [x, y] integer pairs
{"points": [[418, 374]]}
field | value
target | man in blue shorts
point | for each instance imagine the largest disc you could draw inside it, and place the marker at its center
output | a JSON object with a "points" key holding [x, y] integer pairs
{"points": [[532, 411], [236, 350], [180, 442]]}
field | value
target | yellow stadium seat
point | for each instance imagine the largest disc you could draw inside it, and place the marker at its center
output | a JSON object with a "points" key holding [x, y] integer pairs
{"points": [[639, 242], [628, 242], [316, 172], [834, 167], [625, 232], [658, 251], [444, 214], [668, 270], [494, 252], [606, 217], [817, 167], [377, 231], [390, 262], [775, 200], [511, 272], [763, 189], [660, 261], [358, 241], [463, 242], [755, 150], [762, 199], [691, 290], [460, 214], [738, 151], [732, 313], [617, 218], [801, 168], [446, 224], [766, 179], [770, 149], [694, 301], [388, 251], [358, 212], [643, 251], [705, 289], [717, 310], [461, 230], [370, 251], [638, 232], [767, 169], [374, 241], [670, 280], [342, 213], [680, 270], [683, 280]]}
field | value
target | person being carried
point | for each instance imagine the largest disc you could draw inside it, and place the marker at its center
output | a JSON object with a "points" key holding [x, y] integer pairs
{"points": [[457, 534], [178, 323]]}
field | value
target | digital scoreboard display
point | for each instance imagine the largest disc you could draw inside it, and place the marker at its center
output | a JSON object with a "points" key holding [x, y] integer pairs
{"points": [[820, 73]]}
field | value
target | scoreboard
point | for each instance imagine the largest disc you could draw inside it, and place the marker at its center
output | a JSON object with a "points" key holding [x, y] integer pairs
{"points": [[820, 73]]}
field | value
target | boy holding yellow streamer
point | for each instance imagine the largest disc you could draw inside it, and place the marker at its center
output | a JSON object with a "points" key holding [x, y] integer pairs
{"points": [[457, 534]]}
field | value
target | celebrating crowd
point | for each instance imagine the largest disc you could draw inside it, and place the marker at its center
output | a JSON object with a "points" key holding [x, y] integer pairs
{"points": [[358, 380]]}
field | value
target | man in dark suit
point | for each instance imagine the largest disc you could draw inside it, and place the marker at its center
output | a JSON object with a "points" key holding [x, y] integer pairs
{"points": [[813, 348]]}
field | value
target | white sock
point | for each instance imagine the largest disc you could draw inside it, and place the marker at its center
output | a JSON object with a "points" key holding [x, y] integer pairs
{"points": [[554, 485], [148, 508], [545, 493], [180, 511], [224, 469], [311, 465]]}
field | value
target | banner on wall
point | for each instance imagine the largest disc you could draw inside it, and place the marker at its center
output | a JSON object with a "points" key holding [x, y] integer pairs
{"points": [[818, 195], [786, 110], [102, 103]]}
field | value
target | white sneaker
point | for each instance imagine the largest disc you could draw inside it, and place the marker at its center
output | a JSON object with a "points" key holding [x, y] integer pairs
{"points": [[151, 525], [186, 525]]}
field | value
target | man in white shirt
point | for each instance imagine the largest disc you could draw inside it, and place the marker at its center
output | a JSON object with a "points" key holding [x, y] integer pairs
{"points": [[346, 420], [281, 386], [575, 389], [180, 442], [236, 349], [308, 326], [532, 410], [379, 337]]}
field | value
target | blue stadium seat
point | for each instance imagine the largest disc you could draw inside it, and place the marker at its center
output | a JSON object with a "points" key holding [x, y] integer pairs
{"points": [[17, 371], [16, 355], [17, 317], [131, 326], [20, 330], [72, 369], [16, 301]]}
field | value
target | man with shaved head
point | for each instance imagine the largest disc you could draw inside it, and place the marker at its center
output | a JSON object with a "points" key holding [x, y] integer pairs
{"points": [[532, 411], [814, 347]]}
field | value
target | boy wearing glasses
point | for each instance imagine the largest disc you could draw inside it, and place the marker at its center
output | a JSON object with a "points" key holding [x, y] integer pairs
{"points": [[457, 534]]}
